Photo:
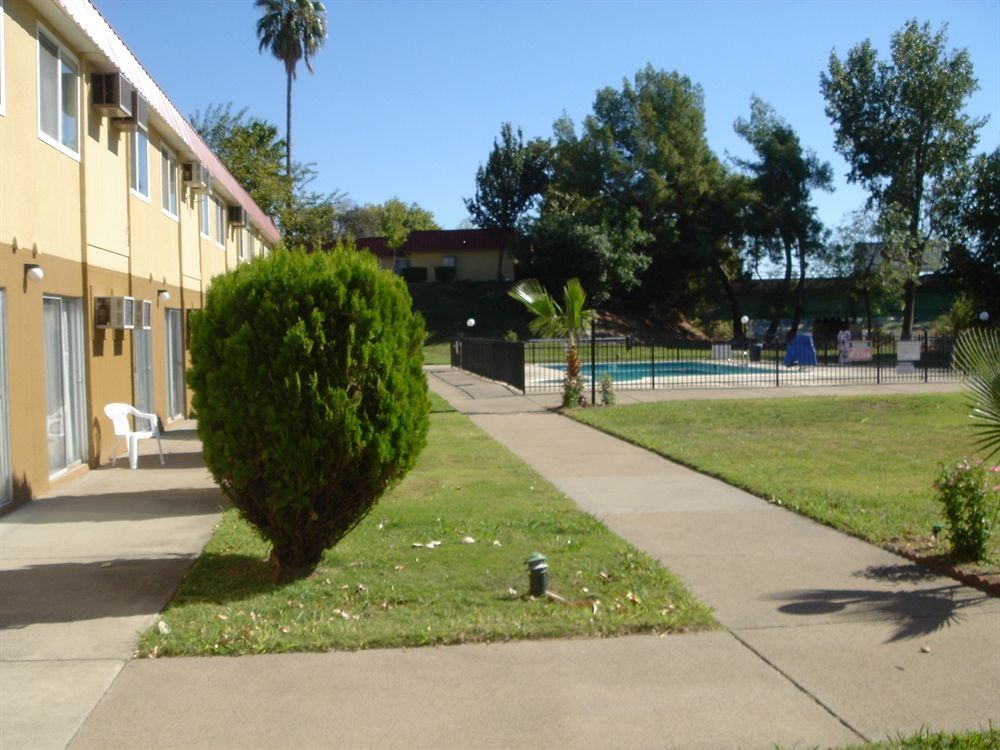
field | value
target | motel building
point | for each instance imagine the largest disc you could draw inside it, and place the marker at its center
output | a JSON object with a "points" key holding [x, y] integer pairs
{"points": [[114, 217]]}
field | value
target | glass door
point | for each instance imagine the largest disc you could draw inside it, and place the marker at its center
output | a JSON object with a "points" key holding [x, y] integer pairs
{"points": [[142, 373], [64, 382], [175, 365], [5, 477]]}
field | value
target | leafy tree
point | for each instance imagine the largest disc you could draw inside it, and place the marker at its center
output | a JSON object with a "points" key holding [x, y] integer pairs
{"points": [[306, 444], [644, 149], [570, 321], [781, 222], [367, 220], [253, 153], [291, 30], [605, 259], [974, 256], [394, 227], [508, 185], [899, 124]]}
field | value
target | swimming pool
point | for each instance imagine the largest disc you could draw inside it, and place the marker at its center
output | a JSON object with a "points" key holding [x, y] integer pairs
{"points": [[620, 371]]}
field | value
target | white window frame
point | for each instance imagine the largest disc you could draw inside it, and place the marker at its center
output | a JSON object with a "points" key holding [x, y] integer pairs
{"points": [[239, 246], [220, 224], [168, 183], [251, 243], [205, 215], [62, 54], [134, 182], [3, 67]]}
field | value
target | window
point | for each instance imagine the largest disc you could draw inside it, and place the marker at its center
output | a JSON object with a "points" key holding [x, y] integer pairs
{"points": [[220, 223], [239, 245], [175, 365], [250, 239], [206, 230], [58, 96], [448, 261], [139, 168], [3, 88], [168, 182], [65, 392]]}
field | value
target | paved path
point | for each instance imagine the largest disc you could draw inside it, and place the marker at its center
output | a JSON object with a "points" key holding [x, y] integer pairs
{"points": [[823, 646]]}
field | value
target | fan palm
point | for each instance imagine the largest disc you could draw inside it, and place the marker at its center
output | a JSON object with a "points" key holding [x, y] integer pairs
{"points": [[569, 321], [292, 30], [977, 357]]}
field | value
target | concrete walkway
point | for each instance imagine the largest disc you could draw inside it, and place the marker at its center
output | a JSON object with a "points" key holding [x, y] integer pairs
{"points": [[829, 640]]}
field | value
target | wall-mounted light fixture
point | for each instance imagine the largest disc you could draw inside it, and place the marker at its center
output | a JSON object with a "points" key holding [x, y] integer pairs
{"points": [[162, 294], [33, 272]]}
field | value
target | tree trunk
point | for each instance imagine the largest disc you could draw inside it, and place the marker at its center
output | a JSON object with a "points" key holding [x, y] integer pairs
{"points": [[734, 303], [799, 292], [782, 296], [909, 307], [288, 139]]}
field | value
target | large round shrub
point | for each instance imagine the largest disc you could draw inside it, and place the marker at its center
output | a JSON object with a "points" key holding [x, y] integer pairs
{"points": [[310, 394]]}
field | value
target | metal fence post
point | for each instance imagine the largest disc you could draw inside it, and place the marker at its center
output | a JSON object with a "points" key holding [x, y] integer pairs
{"points": [[593, 362], [878, 356], [652, 366], [926, 356]]}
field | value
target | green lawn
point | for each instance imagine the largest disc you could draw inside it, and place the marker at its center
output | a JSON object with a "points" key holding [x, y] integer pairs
{"points": [[377, 589], [984, 739], [862, 465]]}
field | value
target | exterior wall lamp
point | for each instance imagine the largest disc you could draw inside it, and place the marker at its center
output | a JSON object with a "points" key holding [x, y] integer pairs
{"points": [[162, 294], [33, 272]]}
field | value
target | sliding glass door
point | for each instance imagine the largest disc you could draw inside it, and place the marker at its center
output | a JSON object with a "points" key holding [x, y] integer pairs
{"points": [[66, 415], [175, 365], [142, 373]]}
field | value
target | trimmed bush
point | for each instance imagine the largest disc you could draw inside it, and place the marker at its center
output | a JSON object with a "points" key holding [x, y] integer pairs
{"points": [[311, 398], [445, 274], [414, 273]]}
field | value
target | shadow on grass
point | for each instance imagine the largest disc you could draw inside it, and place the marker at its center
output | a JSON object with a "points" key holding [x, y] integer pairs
{"points": [[916, 613], [217, 578]]}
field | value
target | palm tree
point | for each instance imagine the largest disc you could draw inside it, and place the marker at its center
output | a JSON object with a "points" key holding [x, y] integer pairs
{"points": [[293, 30], [977, 357], [569, 321]]}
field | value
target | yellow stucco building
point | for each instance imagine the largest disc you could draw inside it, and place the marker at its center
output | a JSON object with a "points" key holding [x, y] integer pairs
{"points": [[472, 253], [114, 217]]}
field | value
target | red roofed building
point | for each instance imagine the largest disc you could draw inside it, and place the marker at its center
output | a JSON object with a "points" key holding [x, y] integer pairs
{"points": [[471, 252]]}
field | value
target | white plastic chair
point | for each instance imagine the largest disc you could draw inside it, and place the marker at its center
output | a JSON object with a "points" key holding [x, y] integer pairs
{"points": [[119, 414]]}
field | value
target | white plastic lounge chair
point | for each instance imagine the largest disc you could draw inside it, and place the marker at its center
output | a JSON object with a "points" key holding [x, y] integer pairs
{"points": [[119, 416]]}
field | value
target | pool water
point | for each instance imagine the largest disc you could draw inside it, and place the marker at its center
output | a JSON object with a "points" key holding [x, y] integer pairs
{"points": [[639, 370]]}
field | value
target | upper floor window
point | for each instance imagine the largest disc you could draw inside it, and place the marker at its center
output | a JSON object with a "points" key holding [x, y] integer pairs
{"points": [[168, 182], [58, 96], [206, 230], [220, 223], [139, 167]]}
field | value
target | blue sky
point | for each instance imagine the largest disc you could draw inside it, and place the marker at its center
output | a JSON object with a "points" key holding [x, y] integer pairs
{"points": [[407, 96]]}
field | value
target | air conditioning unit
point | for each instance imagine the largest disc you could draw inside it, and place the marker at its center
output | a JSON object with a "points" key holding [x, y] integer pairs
{"points": [[114, 312], [111, 92], [237, 216], [145, 315], [139, 119], [196, 177]]}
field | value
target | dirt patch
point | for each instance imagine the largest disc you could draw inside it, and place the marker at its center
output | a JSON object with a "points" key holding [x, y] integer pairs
{"points": [[933, 555]]}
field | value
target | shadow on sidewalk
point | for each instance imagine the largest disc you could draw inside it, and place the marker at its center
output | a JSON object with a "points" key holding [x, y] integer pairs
{"points": [[71, 592], [917, 611], [120, 506]]}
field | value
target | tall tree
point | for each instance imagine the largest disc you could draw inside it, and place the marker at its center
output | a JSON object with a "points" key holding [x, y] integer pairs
{"points": [[782, 222], [292, 30], [508, 185], [367, 220], [900, 125]]}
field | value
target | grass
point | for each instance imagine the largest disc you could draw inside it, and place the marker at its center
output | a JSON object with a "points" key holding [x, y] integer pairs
{"points": [[984, 739], [863, 465], [376, 589]]}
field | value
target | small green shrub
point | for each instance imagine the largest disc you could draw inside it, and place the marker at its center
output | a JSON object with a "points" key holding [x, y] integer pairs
{"points": [[307, 379], [414, 273], [510, 337], [606, 385], [445, 274], [970, 494]]}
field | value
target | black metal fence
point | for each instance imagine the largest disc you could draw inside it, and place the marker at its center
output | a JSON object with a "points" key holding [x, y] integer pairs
{"points": [[632, 364], [496, 360]]}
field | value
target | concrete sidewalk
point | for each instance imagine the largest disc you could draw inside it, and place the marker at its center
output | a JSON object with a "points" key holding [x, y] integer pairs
{"points": [[83, 570], [823, 647]]}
